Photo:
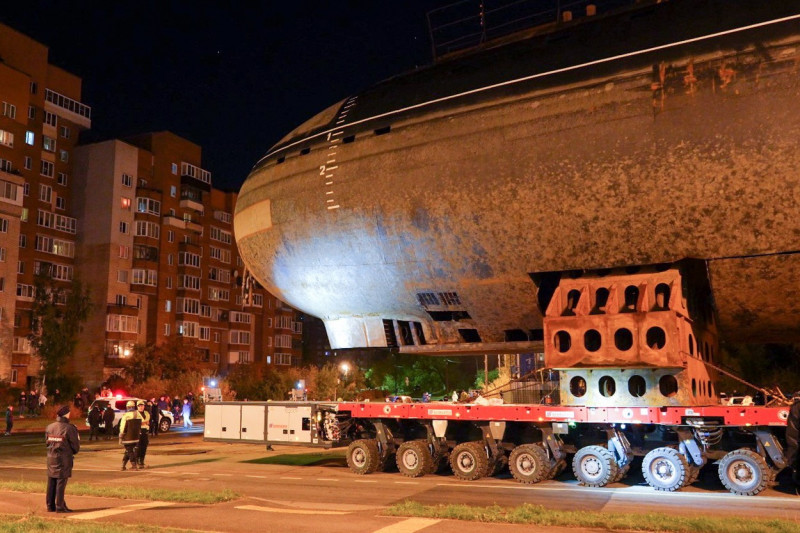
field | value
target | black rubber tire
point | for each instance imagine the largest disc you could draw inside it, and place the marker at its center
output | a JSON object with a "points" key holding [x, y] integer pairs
{"points": [[529, 463], [621, 472], [665, 469], [556, 468], [469, 461], [744, 472], [164, 425], [441, 461], [363, 456], [594, 466], [414, 458], [691, 475], [500, 463]]}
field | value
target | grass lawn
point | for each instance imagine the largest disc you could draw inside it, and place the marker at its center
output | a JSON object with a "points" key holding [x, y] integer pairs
{"points": [[538, 515], [303, 459], [127, 492], [26, 523]]}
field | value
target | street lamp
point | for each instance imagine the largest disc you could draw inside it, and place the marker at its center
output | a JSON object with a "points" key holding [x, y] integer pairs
{"points": [[345, 368]]}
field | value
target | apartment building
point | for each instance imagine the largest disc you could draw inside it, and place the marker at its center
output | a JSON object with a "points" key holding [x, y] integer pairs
{"points": [[42, 115], [157, 249]]}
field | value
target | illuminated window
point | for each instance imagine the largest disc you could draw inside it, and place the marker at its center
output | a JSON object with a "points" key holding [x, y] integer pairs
{"points": [[125, 203]]}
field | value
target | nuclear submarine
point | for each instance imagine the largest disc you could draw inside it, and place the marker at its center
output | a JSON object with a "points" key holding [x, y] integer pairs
{"points": [[452, 209]]}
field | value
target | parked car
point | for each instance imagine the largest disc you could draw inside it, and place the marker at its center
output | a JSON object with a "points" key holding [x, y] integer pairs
{"points": [[119, 403]]}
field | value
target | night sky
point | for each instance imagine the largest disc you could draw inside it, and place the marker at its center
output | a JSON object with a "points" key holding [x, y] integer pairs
{"points": [[233, 80]]}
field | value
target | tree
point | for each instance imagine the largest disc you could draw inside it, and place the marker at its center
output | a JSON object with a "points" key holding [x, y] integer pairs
{"points": [[57, 317], [142, 364], [170, 360]]}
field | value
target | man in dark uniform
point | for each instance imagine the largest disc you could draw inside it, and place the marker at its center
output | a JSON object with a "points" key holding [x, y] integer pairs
{"points": [[792, 437], [108, 421], [155, 416], [95, 417], [63, 443], [130, 427]]}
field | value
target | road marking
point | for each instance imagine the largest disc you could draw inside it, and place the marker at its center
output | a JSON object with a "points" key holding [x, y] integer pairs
{"points": [[407, 482], [259, 477], [221, 474], [294, 504], [286, 477], [286, 511], [326, 479], [408, 526], [364, 481], [119, 510], [333, 206]]}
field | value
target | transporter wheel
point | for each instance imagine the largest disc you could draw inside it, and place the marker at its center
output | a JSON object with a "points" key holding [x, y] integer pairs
{"points": [[594, 466], [440, 461], [529, 463], [691, 475], [500, 463], [414, 458], [163, 425], [469, 461], [556, 468], [621, 472], [744, 472], [665, 469], [363, 456]]}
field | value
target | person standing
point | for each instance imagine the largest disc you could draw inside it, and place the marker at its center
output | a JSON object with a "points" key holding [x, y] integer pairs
{"points": [[63, 443], [108, 421], [793, 438], [23, 403], [9, 419], [95, 418], [155, 416], [130, 427], [187, 413], [144, 436]]}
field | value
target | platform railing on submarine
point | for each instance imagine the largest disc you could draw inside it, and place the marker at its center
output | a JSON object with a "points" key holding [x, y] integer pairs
{"points": [[539, 386]]}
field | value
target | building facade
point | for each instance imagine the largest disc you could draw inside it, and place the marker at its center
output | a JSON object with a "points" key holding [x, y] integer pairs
{"points": [[42, 115], [156, 247]]}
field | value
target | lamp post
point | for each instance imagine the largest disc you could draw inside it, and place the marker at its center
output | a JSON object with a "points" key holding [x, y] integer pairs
{"points": [[344, 368]]}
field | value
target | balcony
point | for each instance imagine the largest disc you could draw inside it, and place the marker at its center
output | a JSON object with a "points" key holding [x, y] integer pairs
{"points": [[66, 107], [174, 221], [192, 175]]}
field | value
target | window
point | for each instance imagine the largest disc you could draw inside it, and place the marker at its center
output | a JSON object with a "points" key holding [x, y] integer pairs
{"points": [[166, 330], [240, 357], [239, 337], [64, 131], [3, 225], [47, 169], [123, 227], [189, 259], [25, 292], [216, 360], [121, 299], [215, 294], [220, 235], [205, 333], [22, 345], [48, 144], [283, 341], [122, 276], [9, 110], [31, 112], [220, 254], [170, 259], [147, 229], [26, 189], [223, 216], [23, 241], [258, 300], [124, 252], [2, 255], [50, 119], [20, 267], [148, 205], [125, 203], [28, 162], [170, 236], [188, 329], [30, 138], [189, 306], [175, 168], [241, 318], [142, 276], [283, 359], [14, 375], [127, 180], [7, 138], [189, 282], [61, 203], [283, 322], [51, 245], [173, 190], [62, 179], [45, 193], [63, 155], [168, 282], [34, 87], [205, 310]]}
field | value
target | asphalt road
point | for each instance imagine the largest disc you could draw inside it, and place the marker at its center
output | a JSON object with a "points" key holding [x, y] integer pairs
{"points": [[306, 498]]}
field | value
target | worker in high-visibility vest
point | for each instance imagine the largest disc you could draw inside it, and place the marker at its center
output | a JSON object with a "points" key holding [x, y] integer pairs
{"points": [[130, 427], [144, 438]]}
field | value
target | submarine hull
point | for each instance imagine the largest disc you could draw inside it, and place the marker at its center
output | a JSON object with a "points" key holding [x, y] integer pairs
{"points": [[445, 215]]}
